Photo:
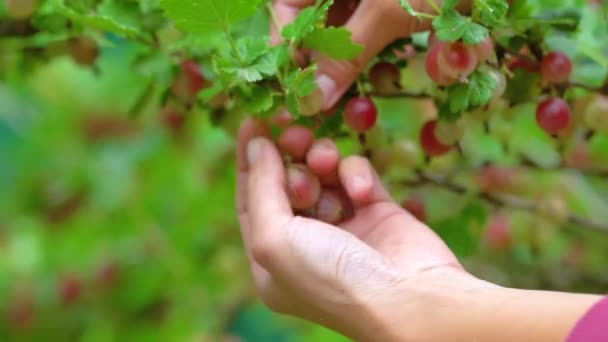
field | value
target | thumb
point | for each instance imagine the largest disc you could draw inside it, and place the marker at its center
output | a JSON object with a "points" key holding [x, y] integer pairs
{"points": [[267, 202], [374, 25]]}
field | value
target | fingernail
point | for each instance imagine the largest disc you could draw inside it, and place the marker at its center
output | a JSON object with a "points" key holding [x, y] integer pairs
{"points": [[253, 150], [328, 89]]}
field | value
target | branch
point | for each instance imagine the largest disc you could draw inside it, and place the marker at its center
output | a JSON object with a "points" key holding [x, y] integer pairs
{"points": [[402, 95], [602, 89], [509, 201], [562, 167]]}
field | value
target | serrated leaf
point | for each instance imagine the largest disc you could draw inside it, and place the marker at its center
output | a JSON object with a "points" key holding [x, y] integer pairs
{"points": [[298, 84], [450, 26], [208, 16], [251, 48], [260, 100], [490, 12], [301, 82], [476, 92], [246, 73], [101, 23], [481, 87], [306, 21], [474, 34], [333, 42]]}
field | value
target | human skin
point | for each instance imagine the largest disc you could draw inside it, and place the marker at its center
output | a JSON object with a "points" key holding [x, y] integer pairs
{"points": [[374, 24], [381, 275]]}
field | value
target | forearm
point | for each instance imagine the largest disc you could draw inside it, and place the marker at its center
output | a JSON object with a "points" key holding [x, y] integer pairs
{"points": [[502, 314], [461, 308]]}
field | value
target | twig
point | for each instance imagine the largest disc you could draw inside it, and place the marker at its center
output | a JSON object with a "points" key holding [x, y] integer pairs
{"points": [[402, 95], [563, 167], [509, 201]]}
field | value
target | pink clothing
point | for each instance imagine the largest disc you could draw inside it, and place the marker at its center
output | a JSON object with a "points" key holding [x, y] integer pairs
{"points": [[593, 326]]}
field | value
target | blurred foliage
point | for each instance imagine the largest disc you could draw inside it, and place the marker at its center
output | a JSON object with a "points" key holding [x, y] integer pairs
{"points": [[116, 227]]}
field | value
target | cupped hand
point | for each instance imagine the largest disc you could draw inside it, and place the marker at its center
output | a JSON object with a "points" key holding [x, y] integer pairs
{"points": [[374, 24], [339, 276]]}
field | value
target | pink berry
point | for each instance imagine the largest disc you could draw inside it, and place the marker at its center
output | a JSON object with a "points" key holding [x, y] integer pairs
{"points": [[360, 114], [553, 115], [432, 67], [556, 67], [457, 59], [429, 142]]}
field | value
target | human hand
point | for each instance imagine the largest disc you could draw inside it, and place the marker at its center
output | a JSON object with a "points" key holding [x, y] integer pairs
{"points": [[374, 24], [346, 277]]}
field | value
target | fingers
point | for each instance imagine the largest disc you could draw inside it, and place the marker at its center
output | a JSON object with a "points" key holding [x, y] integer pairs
{"points": [[250, 128], [375, 24], [267, 201], [361, 182], [323, 157]]}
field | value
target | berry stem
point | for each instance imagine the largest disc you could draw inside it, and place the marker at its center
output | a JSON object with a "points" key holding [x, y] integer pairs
{"points": [[434, 5], [274, 18]]}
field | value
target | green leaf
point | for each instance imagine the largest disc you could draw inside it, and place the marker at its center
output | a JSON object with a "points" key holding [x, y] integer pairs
{"points": [[489, 12], [251, 48], [475, 34], [459, 98], [208, 16], [481, 87], [450, 26], [260, 100], [333, 42], [306, 21], [299, 84], [475, 93], [103, 23]]}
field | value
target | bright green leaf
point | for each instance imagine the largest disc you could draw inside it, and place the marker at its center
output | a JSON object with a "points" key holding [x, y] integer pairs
{"points": [[490, 12], [333, 42], [250, 48], [207, 16], [260, 100], [450, 26], [306, 21], [474, 34], [481, 87], [459, 98]]}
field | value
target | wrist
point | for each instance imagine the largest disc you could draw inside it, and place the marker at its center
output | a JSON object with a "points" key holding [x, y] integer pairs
{"points": [[429, 306], [449, 304]]}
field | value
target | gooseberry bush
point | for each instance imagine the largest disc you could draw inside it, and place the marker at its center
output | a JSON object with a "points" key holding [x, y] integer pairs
{"points": [[491, 127]]}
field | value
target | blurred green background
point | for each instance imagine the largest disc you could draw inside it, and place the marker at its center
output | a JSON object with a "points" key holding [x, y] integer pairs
{"points": [[119, 229]]}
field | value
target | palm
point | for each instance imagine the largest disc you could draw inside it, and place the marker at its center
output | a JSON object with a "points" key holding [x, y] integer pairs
{"points": [[397, 236]]}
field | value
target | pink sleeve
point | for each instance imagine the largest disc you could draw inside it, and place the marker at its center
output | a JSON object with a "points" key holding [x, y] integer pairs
{"points": [[593, 326]]}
